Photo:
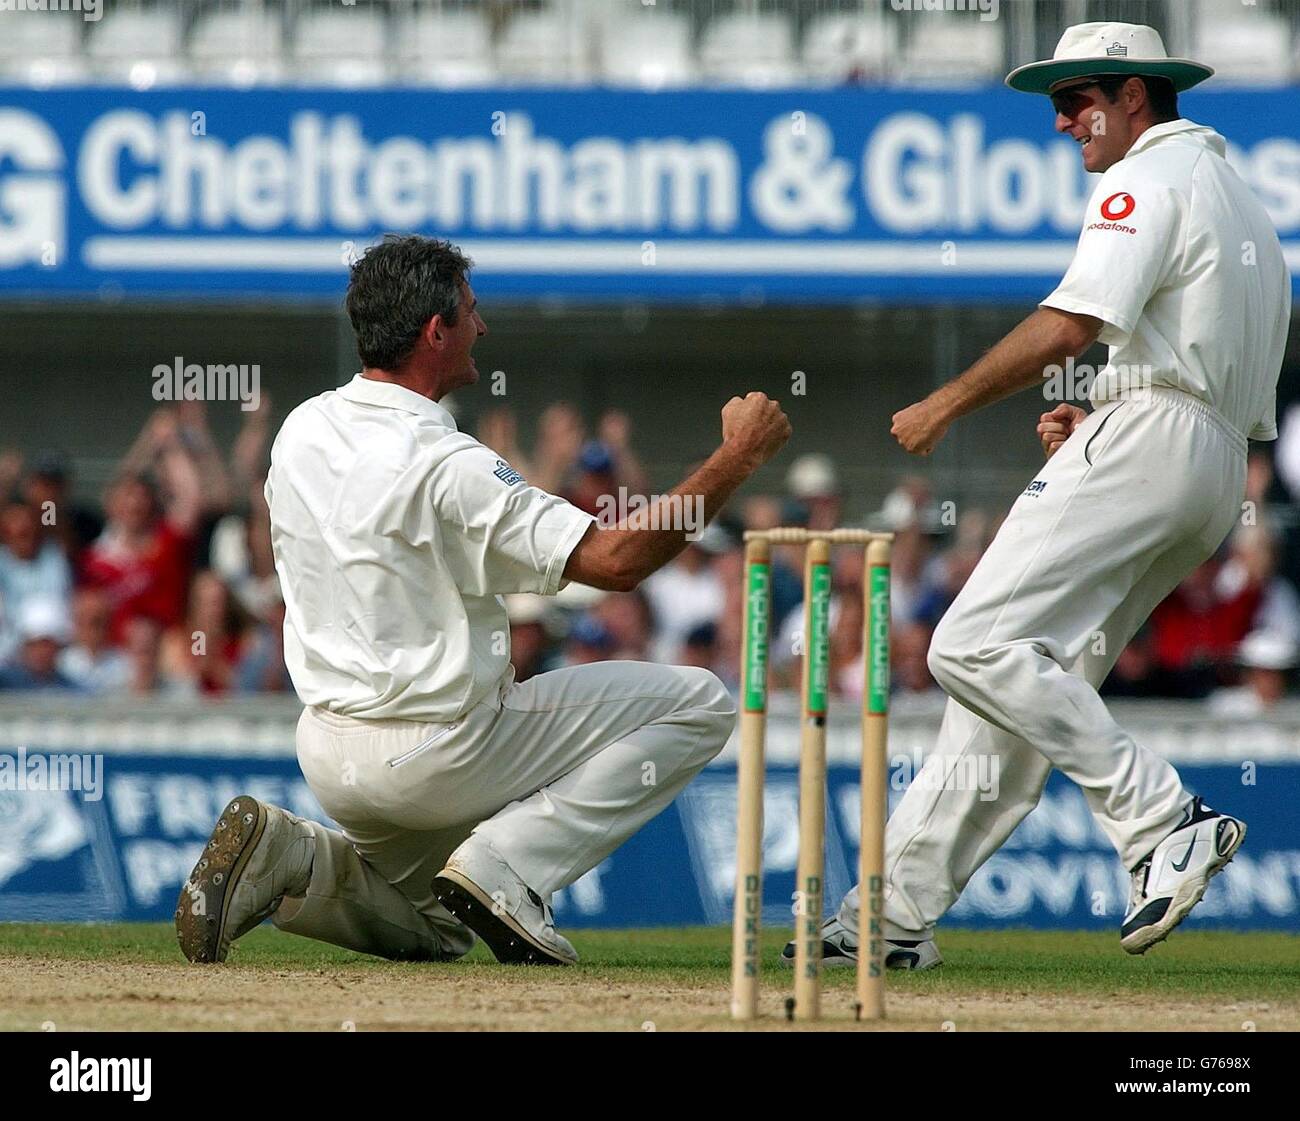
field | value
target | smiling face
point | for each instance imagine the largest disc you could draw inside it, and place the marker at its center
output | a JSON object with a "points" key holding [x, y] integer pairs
{"points": [[453, 342], [1104, 129]]}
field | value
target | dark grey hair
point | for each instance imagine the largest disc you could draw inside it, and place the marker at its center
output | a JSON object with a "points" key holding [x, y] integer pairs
{"points": [[1161, 95], [396, 287]]}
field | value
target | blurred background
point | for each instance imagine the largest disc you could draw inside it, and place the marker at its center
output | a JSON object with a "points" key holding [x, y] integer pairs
{"points": [[832, 201]]}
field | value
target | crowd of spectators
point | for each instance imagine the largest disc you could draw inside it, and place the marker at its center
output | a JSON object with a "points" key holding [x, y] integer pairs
{"points": [[1229, 634], [170, 589]]}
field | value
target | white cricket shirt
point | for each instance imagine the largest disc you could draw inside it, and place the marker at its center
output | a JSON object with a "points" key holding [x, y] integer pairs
{"points": [[1180, 261], [395, 536]]}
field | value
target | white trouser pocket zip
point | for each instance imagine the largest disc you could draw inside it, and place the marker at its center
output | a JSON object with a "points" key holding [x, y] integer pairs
{"points": [[398, 760]]}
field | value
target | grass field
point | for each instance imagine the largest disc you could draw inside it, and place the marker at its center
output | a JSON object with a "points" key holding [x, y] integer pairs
{"points": [[132, 977]]}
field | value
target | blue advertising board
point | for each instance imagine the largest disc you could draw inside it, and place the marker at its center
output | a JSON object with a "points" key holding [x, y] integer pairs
{"points": [[830, 195], [123, 852]]}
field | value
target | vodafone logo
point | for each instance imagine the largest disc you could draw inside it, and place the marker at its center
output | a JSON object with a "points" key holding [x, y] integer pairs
{"points": [[1119, 205]]}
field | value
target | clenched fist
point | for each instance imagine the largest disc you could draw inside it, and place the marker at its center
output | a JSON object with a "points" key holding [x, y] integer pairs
{"points": [[1056, 427], [755, 426], [919, 427]]}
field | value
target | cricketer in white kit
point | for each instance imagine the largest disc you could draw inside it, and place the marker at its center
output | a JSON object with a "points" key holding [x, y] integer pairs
{"points": [[1179, 271], [464, 799]]}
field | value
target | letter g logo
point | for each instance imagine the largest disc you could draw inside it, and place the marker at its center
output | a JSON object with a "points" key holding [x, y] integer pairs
{"points": [[1117, 206], [32, 205]]}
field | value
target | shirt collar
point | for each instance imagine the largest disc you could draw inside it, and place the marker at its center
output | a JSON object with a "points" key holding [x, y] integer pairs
{"points": [[1159, 132], [389, 395]]}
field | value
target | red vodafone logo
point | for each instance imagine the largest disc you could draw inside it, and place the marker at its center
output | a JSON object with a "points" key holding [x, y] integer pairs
{"points": [[1119, 205]]}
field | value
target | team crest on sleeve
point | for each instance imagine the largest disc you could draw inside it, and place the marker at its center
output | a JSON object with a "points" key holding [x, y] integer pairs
{"points": [[507, 474]]}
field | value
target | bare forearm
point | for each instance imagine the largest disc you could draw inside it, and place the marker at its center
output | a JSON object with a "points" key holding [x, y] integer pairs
{"points": [[685, 510], [648, 539], [140, 457], [247, 460], [184, 488], [1018, 361], [214, 480], [753, 429]]}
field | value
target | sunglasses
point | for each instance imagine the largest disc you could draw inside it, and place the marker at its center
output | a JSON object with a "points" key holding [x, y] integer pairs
{"points": [[1071, 101]]}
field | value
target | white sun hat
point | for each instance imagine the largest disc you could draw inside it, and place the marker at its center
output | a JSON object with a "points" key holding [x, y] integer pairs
{"points": [[1095, 50]]}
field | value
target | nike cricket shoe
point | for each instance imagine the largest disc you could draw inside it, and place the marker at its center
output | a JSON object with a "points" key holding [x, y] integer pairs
{"points": [[257, 854], [480, 889], [840, 949], [1170, 882]]}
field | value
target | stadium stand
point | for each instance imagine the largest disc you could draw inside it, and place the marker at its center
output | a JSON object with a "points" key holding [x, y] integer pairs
{"points": [[673, 43]]}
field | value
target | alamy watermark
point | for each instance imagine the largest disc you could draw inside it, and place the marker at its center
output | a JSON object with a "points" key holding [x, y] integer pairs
{"points": [[182, 381], [978, 772], [38, 770], [988, 9], [1074, 380], [80, 1073], [682, 512], [91, 10]]}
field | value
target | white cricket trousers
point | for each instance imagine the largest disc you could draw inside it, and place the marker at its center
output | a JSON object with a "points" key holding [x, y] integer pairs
{"points": [[1145, 490], [569, 766]]}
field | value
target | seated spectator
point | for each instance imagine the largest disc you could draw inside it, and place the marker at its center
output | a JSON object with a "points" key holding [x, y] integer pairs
{"points": [[90, 662], [533, 648], [30, 569], [1196, 630], [812, 480], [589, 641], [594, 479], [201, 655], [1248, 582], [701, 647], [942, 583], [142, 638], [42, 632], [628, 618], [70, 525], [687, 592], [1267, 660]]}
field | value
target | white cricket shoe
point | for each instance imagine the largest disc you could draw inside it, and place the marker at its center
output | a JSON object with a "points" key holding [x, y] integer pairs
{"points": [[257, 854], [840, 949], [1170, 882], [480, 889]]}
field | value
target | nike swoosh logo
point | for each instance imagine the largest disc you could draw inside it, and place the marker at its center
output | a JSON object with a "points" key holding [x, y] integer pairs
{"points": [[1186, 857]]}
